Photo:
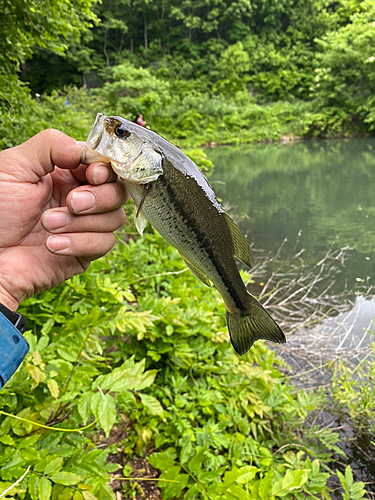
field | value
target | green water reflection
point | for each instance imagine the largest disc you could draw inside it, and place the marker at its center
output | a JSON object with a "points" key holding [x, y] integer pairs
{"points": [[325, 189]]}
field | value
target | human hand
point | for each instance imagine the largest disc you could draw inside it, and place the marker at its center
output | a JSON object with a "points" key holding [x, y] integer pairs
{"points": [[56, 215]]}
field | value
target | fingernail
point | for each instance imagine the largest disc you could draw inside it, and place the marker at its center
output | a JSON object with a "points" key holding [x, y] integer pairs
{"points": [[82, 201], [101, 174], [55, 220], [58, 243]]}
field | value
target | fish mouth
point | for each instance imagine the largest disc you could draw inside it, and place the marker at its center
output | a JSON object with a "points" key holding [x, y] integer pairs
{"points": [[96, 131], [94, 149]]}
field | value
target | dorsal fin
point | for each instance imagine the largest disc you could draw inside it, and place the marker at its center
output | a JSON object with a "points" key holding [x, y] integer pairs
{"points": [[241, 246], [198, 273]]}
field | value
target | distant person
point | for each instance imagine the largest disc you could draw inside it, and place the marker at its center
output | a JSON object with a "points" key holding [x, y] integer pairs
{"points": [[141, 121]]}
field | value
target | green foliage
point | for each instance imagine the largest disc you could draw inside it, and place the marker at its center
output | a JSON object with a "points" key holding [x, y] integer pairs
{"points": [[48, 25], [233, 66], [66, 378], [176, 62], [353, 392], [269, 45], [344, 81], [247, 482], [138, 342], [132, 91], [22, 116], [351, 491]]}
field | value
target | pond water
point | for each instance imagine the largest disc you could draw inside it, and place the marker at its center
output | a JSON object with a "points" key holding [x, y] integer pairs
{"points": [[316, 194], [320, 196]]}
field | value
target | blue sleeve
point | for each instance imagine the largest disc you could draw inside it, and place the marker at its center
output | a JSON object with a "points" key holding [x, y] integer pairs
{"points": [[13, 349]]}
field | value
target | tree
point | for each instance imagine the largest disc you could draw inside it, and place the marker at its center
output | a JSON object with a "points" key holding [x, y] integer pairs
{"points": [[49, 25], [233, 66], [345, 76]]}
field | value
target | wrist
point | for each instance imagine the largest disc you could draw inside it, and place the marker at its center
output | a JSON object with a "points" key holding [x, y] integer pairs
{"points": [[8, 300]]}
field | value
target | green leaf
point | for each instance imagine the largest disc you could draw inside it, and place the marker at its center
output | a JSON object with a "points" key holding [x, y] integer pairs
{"points": [[349, 475], [8, 440], [196, 462], [124, 378], [236, 493], [186, 452], [97, 403], [231, 476], [265, 485], [163, 460], [47, 326], [33, 486], [66, 478], [175, 489], [53, 466], [44, 488], [108, 414], [147, 379], [87, 495], [116, 381], [246, 474], [67, 494], [30, 454], [67, 355], [357, 490], [278, 489], [84, 406], [193, 492], [27, 442], [342, 479], [152, 404], [207, 477], [170, 474], [315, 465], [53, 388], [105, 492], [295, 479]]}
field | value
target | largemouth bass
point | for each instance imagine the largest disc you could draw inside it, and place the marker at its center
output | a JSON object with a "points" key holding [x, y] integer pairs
{"points": [[171, 193]]}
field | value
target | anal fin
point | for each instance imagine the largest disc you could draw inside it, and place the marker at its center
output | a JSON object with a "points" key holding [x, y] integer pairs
{"points": [[198, 273]]}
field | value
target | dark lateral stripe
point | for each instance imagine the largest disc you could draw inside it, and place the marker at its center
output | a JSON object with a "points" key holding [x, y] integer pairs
{"points": [[182, 211]]}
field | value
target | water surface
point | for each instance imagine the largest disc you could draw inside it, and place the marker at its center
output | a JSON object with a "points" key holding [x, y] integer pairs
{"points": [[323, 191]]}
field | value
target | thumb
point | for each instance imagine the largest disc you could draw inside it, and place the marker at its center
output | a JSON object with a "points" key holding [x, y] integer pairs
{"points": [[39, 155]]}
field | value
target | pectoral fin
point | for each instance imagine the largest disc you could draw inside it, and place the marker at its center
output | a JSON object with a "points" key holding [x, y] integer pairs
{"points": [[241, 246], [139, 220], [146, 190], [198, 273]]}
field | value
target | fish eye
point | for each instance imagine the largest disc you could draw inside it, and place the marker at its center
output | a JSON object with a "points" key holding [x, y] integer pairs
{"points": [[121, 132]]}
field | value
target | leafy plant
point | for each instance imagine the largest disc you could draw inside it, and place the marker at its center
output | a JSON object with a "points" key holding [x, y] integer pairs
{"points": [[138, 343], [351, 490]]}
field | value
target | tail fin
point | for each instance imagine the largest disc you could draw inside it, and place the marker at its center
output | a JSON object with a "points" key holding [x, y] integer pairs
{"points": [[253, 324]]}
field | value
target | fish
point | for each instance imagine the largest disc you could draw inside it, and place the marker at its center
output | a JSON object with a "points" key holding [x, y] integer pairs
{"points": [[171, 193]]}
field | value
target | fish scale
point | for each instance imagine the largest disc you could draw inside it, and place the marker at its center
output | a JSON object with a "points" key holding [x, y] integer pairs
{"points": [[161, 211]]}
